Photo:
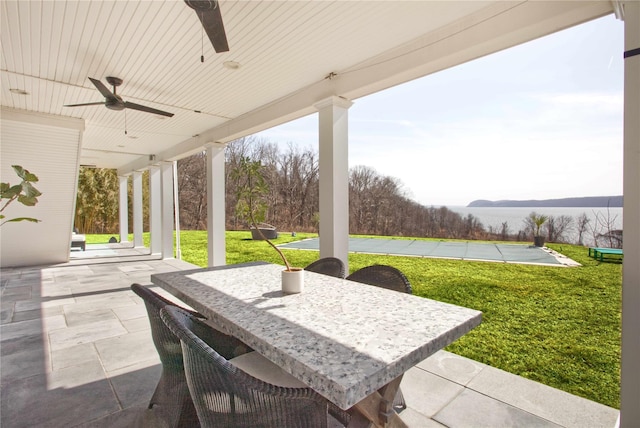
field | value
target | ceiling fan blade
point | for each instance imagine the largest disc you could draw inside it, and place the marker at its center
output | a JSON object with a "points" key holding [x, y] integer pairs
{"points": [[103, 89], [84, 104], [139, 107], [212, 22]]}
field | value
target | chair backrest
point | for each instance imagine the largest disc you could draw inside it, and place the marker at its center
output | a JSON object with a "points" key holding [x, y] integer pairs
{"points": [[171, 401], [328, 266], [226, 396], [382, 276], [167, 344]]}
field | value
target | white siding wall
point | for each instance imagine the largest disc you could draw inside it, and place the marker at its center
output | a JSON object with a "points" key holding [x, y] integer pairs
{"points": [[47, 146]]}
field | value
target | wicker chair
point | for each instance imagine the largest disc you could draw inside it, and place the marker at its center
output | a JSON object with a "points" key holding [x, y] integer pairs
{"points": [[328, 266], [390, 278], [171, 402], [225, 396], [382, 276]]}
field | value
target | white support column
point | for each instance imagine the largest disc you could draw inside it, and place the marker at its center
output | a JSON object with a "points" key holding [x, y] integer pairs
{"points": [[138, 221], [124, 208], [155, 209], [333, 162], [167, 209], [630, 373], [176, 209], [216, 241]]}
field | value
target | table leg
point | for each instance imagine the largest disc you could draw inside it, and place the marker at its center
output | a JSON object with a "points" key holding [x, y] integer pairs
{"points": [[377, 409]]}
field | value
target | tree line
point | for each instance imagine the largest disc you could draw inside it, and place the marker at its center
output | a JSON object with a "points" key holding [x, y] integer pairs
{"points": [[378, 204]]}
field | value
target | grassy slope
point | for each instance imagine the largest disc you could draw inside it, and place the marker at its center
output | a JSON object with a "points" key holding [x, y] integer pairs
{"points": [[558, 326]]}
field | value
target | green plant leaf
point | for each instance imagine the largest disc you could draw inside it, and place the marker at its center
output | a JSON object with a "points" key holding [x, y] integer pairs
{"points": [[29, 190], [19, 170], [24, 174], [11, 191], [31, 219], [31, 177], [24, 192], [27, 200]]}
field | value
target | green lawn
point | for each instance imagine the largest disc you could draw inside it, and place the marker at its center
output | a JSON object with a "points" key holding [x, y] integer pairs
{"points": [[559, 326]]}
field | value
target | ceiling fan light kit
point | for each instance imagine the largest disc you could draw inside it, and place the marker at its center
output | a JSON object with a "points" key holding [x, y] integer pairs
{"points": [[231, 65]]}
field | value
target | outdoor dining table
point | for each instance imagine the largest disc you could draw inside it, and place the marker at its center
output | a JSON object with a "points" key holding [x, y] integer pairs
{"points": [[348, 341]]}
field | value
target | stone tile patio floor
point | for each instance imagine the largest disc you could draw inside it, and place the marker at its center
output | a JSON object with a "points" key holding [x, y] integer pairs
{"points": [[76, 350]]}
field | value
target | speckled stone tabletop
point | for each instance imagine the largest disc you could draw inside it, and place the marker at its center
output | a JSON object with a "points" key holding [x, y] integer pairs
{"points": [[342, 338]]}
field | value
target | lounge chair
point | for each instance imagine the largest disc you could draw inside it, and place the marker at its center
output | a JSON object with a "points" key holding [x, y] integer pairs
{"points": [[78, 240], [606, 254]]}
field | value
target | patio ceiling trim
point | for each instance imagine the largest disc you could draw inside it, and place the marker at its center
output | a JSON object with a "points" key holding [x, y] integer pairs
{"points": [[41, 118], [498, 27]]}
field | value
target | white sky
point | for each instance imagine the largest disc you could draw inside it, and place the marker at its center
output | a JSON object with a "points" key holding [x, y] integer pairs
{"points": [[541, 120]]}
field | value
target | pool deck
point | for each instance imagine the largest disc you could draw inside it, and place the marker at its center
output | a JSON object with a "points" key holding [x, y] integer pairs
{"points": [[76, 351]]}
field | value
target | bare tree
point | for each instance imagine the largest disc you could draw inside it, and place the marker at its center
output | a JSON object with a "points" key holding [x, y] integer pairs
{"points": [[192, 182], [361, 180], [297, 180], [604, 232], [557, 226], [504, 231], [581, 226]]}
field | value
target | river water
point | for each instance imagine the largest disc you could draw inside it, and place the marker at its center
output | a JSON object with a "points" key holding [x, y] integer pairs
{"points": [[600, 219]]}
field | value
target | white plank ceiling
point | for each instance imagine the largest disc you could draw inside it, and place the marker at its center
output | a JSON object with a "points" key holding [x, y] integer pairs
{"points": [[284, 48]]}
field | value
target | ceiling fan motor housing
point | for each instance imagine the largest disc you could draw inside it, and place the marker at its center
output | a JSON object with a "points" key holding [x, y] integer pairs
{"points": [[114, 103], [202, 4], [114, 81]]}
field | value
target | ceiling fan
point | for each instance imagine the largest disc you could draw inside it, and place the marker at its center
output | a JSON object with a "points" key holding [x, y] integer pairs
{"points": [[209, 13], [114, 101]]}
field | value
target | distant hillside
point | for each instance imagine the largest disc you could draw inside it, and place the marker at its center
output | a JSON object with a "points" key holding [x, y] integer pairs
{"points": [[589, 202]]}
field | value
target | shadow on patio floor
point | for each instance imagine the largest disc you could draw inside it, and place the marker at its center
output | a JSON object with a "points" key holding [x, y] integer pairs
{"points": [[77, 351]]}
